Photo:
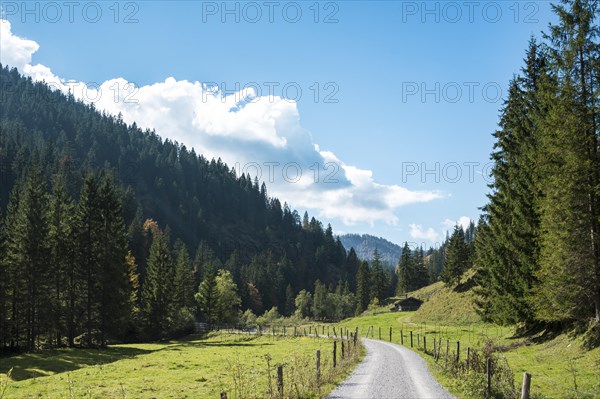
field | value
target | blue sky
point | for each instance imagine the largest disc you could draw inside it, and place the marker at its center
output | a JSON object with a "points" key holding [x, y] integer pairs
{"points": [[371, 61]]}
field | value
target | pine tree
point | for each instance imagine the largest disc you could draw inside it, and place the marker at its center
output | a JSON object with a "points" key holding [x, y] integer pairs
{"points": [[569, 274], [4, 281], [363, 292], [28, 252], [405, 271], [115, 291], [184, 278], [86, 277], [508, 249], [378, 278], [457, 259], [290, 305], [208, 296], [61, 251], [421, 278], [158, 287]]}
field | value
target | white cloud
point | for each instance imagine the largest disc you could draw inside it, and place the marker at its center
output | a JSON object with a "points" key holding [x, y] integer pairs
{"points": [[417, 232], [261, 135], [462, 221], [437, 235]]}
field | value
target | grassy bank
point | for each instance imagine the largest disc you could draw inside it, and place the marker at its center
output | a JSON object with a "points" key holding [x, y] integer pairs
{"points": [[194, 367], [560, 367]]}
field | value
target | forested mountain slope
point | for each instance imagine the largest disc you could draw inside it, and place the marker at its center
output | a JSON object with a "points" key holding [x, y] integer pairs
{"points": [[365, 245], [229, 221]]}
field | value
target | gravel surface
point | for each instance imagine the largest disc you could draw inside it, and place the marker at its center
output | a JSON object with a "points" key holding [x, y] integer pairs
{"points": [[390, 371]]}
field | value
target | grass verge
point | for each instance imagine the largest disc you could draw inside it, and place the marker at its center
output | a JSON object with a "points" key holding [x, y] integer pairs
{"points": [[244, 366]]}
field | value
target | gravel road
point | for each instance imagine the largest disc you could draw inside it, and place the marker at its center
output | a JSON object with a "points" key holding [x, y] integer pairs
{"points": [[390, 371]]}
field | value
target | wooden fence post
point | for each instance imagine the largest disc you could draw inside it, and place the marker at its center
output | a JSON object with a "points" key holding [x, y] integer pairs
{"points": [[526, 386], [447, 348], [280, 381], [334, 353], [457, 351], [411, 339], [390, 334], [342, 348], [318, 367], [401, 337], [424, 343], [355, 336], [379, 332], [468, 357], [488, 372], [434, 347]]}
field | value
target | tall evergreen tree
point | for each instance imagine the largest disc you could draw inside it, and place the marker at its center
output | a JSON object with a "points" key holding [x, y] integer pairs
{"points": [[115, 289], [27, 261], [508, 249], [158, 291], [378, 278], [457, 257], [208, 296], [363, 291], [405, 271], [184, 278], [61, 243], [569, 274]]}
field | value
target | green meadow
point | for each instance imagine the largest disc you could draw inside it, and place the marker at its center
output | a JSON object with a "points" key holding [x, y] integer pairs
{"points": [[243, 366]]}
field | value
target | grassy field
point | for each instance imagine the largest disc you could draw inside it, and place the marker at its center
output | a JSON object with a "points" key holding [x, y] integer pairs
{"points": [[560, 367], [194, 367]]}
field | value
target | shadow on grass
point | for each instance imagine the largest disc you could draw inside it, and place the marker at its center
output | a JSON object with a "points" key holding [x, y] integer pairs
{"points": [[33, 365]]}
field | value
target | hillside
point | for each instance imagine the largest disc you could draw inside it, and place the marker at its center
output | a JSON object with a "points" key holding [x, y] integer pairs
{"points": [[444, 305], [365, 245], [61, 160], [560, 363]]}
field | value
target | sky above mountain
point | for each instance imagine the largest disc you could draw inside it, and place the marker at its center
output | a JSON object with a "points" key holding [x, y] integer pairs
{"points": [[374, 116]]}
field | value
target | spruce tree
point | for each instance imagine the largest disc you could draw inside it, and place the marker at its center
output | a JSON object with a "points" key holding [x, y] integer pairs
{"points": [[158, 287], [27, 261], [184, 278], [569, 274], [405, 271], [456, 261], [61, 224], [208, 296], [86, 287], [363, 284], [115, 289]]}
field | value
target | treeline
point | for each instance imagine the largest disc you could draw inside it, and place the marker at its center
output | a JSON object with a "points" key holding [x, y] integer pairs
{"points": [[202, 201], [59, 157], [66, 271], [538, 248], [418, 267]]}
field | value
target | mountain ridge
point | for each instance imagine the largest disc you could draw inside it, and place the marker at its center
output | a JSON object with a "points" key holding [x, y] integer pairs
{"points": [[365, 244]]}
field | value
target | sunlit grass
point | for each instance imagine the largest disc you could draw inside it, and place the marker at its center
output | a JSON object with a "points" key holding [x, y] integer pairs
{"points": [[195, 367]]}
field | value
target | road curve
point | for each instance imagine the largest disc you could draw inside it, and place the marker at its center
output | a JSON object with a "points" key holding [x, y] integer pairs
{"points": [[390, 371]]}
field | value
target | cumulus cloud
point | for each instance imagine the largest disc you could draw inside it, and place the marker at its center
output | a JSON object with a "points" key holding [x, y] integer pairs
{"points": [[433, 235], [462, 221], [261, 135], [417, 232]]}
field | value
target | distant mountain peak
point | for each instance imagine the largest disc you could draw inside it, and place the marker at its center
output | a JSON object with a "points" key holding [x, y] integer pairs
{"points": [[365, 244]]}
